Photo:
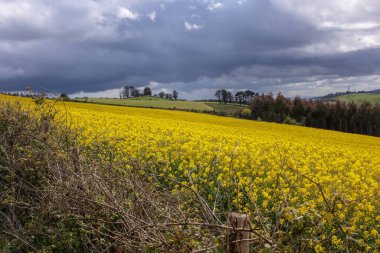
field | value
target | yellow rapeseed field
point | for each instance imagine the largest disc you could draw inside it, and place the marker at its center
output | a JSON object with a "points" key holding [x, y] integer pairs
{"points": [[290, 173]]}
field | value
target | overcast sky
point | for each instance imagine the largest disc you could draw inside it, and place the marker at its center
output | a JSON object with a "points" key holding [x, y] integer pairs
{"points": [[94, 47]]}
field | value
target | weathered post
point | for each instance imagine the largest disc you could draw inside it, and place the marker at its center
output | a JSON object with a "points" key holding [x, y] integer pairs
{"points": [[237, 239]]}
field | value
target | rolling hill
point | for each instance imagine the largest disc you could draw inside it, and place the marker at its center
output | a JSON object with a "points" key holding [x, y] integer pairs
{"points": [[358, 98], [161, 103], [151, 102], [311, 179]]}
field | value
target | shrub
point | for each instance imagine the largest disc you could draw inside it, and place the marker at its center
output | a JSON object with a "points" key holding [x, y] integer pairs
{"points": [[246, 113], [58, 196], [290, 121]]}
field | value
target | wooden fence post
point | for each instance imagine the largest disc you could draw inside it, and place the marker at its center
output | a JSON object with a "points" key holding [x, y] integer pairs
{"points": [[240, 224]]}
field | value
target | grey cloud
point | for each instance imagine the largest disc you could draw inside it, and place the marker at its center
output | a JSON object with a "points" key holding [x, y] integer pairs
{"points": [[75, 46]]}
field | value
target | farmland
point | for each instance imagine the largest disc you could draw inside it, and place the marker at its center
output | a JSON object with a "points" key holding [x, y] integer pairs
{"points": [[294, 177], [228, 109], [359, 98], [153, 102], [160, 103]]}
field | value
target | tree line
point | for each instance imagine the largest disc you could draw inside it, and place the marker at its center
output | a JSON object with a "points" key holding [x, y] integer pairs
{"points": [[339, 116], [241, 97], [131, 91]]}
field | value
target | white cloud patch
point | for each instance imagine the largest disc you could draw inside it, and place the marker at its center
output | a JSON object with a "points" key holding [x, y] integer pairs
{"points": [[17, 10], [214, 5], [125, 13], [349, 26], [191, 26], [152, 16], [352, 25], [332, 84]]}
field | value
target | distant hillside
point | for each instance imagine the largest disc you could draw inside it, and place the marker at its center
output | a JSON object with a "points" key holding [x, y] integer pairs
{"points": [[375, 91], [358, 97], [162, 103], [151, 102]]}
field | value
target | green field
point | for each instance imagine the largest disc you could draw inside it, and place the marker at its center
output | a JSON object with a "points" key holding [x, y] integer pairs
{"points": [[152, 102], [228, 109], [359, 98], [156, 102]]}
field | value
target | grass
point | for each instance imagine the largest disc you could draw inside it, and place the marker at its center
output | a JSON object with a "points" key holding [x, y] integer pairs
{"points": [[359, 98], [162, 103], [152, 102], [228, 109], [147, 98]]}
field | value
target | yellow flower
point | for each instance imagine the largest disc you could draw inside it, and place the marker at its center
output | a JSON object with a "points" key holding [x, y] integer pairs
{"points": [[319, 248], [249, 163]]}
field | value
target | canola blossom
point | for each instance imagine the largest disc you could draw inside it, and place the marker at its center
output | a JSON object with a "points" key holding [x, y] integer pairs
{"points": [[250, 166]]}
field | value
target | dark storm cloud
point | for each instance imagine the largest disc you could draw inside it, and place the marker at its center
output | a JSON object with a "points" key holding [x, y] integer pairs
{"points": [[194, 46]]}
